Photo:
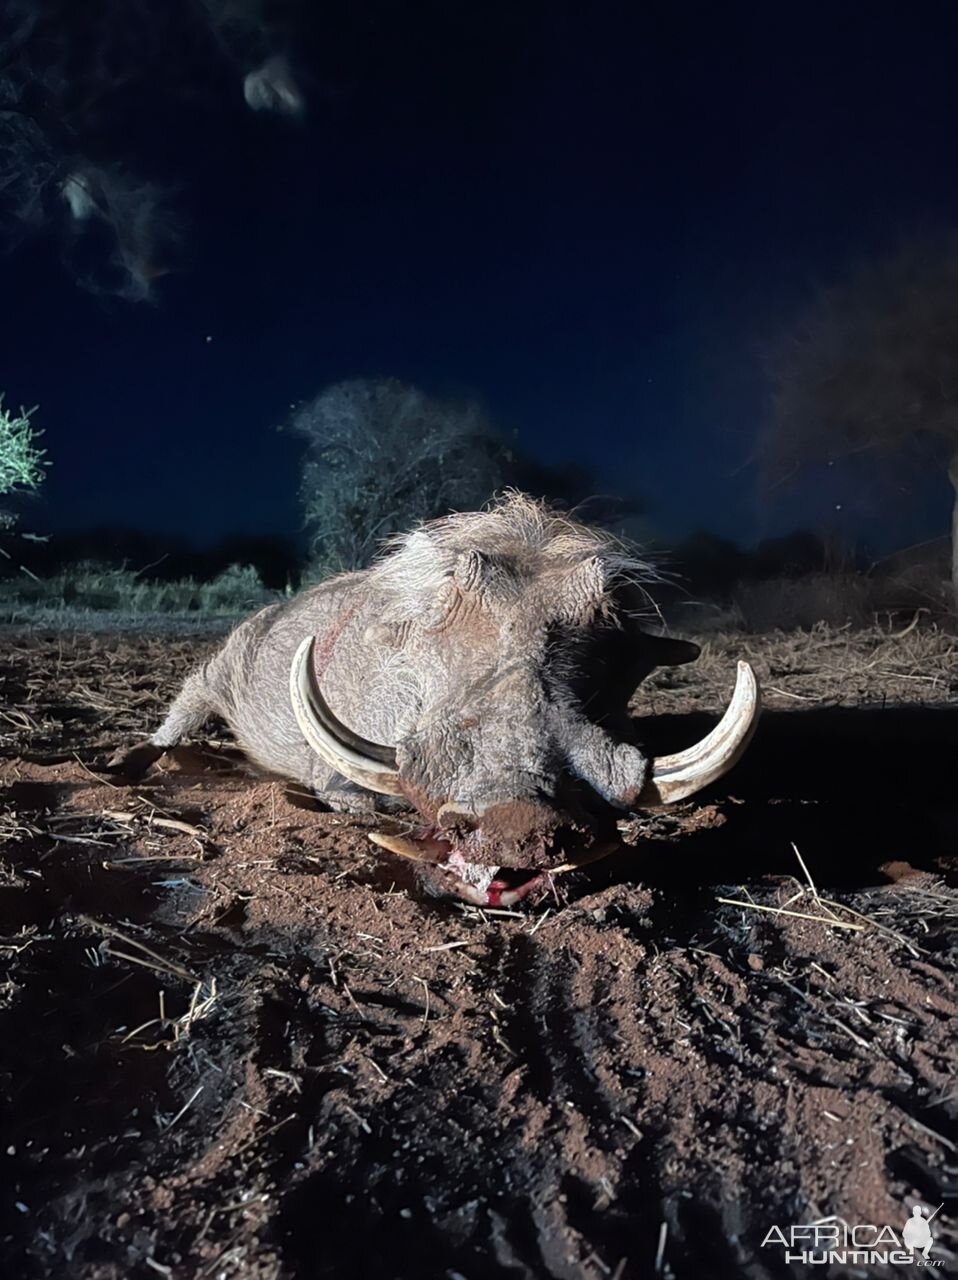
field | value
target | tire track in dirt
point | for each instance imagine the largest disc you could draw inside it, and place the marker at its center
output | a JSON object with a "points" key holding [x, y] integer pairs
{"points": [[370, 1109], [565, 1023]]}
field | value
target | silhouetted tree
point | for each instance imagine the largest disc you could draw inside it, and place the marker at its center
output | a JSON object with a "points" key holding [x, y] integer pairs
{"points": [[873, 366], [382, 456]]}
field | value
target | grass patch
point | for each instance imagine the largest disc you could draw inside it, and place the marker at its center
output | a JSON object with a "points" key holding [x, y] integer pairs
{"points": [[98, 594]]}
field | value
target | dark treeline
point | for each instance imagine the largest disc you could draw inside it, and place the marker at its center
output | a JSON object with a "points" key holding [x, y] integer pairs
{"points": [[155, 556], [703, 565], [710, 567]]}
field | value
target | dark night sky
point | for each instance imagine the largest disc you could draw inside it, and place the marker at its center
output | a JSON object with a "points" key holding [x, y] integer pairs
{"points": [[590, 218]]}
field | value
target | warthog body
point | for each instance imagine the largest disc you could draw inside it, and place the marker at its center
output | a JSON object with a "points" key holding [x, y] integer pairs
{"points": [[492, 654]]}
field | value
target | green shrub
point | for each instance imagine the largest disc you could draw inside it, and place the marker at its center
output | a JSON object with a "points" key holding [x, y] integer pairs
{"points": [[90, 586], [236, 590], [22, 464]]}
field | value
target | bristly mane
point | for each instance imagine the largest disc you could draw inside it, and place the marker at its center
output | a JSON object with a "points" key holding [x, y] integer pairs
{"points": [[533, 536]]}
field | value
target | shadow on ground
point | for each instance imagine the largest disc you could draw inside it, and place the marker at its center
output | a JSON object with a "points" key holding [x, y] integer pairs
{"points": [[854, 789]]}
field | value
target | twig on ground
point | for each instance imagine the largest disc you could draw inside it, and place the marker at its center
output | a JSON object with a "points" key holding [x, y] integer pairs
{"points": [[799, 915]]}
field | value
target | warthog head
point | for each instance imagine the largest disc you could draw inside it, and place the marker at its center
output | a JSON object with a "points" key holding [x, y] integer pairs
{"points": [[512, 643]]}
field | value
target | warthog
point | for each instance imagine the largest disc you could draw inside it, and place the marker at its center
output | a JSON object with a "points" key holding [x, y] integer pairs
{"points": [[477, 680]]}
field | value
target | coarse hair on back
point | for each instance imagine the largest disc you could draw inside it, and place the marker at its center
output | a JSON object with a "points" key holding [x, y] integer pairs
{"points": [[526, 533]]}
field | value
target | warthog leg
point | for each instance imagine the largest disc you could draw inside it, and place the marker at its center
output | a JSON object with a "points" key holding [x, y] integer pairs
{"points": [[192, 707]]}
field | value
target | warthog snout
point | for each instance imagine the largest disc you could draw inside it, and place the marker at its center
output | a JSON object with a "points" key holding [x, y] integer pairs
{"points": [[507, 833]]}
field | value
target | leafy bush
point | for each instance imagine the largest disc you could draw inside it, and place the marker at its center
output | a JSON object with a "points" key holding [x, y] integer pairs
{"points": [[237, 589], [21, 462], [100, 588]]}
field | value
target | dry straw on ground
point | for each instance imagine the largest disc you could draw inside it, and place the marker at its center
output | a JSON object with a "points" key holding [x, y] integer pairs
{"points": [[823, 667]]}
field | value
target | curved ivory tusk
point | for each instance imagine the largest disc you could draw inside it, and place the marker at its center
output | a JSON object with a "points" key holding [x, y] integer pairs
{"points": [[594, 855], [368, 764], [678, 776], [744, 702], [402, 845]]}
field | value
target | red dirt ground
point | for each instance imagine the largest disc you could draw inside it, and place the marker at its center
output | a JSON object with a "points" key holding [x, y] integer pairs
{"points": [[237, 1043]]}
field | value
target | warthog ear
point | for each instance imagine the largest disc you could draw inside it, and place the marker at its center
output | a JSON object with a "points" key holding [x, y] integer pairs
{"points": [[647, 652], [663, 651], [628, 655], [634, 612]]}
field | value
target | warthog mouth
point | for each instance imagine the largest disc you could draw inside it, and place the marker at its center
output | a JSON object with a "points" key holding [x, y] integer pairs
{"points": [[451, 867]]}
